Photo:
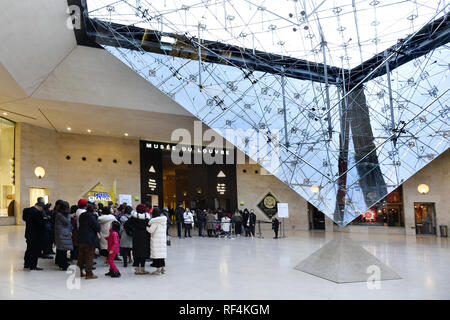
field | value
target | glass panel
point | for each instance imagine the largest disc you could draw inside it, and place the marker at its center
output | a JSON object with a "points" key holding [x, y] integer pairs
{"points": [[387, 212], [7, 170], [342, 148], [355, 30]]}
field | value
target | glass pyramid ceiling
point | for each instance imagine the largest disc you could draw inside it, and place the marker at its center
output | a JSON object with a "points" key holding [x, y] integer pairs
{"points": [[355, 30], [342, 147]]}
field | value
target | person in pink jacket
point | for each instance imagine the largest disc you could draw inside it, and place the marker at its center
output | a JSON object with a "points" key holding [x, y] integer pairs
{"points": [[113, 249]]}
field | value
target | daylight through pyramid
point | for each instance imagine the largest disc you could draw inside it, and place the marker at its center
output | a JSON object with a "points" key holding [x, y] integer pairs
{"points": [[341, 101]]}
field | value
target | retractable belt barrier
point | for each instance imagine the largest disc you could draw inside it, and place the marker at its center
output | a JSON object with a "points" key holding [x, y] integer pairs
{"points": [[217, 230]]}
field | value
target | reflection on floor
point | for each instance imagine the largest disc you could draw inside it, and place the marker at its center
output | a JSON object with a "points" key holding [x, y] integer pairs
{"points": [[241, 268]]}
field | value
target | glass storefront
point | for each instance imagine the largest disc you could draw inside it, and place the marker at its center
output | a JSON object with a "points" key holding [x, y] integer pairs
{"points": [[425, 218], [387, 212], [7, 188]]}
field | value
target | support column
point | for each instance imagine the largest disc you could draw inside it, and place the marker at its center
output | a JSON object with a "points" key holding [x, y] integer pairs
{"points": [[17, 172], [283, 92], [199, 59], [371, 179], [388, 75], [327, 93], [355, 121]]}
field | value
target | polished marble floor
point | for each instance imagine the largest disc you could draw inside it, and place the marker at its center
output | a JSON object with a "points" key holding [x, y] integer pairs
{"points": [[241, 268]]}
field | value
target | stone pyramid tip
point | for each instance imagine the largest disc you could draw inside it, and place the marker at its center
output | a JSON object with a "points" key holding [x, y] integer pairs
{"points": [[342, 260]]}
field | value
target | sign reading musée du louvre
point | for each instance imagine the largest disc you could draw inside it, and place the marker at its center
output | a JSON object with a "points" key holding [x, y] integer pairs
{"points": [[190, 149]]}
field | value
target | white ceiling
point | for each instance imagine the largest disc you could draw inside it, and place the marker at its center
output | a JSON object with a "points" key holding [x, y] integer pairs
{"points": [[35, 39], [49, 81]]}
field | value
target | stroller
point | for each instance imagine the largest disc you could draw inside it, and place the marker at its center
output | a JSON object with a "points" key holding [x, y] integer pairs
{"points": [[220, 229]]}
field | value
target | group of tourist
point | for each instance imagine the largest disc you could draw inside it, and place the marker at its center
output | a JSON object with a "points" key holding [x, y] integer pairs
{"points": [[137, 235], [218, 223]]}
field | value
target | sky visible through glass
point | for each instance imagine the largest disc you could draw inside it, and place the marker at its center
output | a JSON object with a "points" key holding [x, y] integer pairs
{"points": [[353, 30], [345, 150]]}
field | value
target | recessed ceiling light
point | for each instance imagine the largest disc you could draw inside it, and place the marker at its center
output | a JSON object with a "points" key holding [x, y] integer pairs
{"points": [[69, 128], [89, 130], [125, 134], [5, 113]]}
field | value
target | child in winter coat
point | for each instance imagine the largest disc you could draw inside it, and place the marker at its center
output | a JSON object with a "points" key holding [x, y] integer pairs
{"points": [[113, 249], [105, 221]]}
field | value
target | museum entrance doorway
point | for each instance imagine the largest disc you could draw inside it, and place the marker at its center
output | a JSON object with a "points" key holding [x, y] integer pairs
{"points": [[35, 193], [196, 184], [316, 218]]}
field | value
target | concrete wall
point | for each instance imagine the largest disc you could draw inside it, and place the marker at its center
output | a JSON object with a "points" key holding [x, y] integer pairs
{"points": [[71, 179], [436, 176], [252, 187], [38, 147]]}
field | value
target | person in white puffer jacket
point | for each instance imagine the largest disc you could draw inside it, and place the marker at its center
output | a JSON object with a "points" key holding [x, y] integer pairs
{"points": [[188, 222], [105, 221], [158, 241]]}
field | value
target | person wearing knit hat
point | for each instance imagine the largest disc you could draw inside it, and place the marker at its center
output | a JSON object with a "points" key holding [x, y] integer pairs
{"points": [[82, 204], [141, 208], [141, 238]]}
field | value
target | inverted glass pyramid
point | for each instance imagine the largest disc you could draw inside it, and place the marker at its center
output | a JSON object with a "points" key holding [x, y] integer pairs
{"points": [[339, 132]]}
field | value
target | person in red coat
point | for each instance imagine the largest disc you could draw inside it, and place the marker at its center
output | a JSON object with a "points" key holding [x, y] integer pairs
{"points": [[113, 249]]}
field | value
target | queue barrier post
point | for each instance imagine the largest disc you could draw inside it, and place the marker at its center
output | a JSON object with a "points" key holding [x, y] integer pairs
{"points": [[260, 236], [283, 229]]}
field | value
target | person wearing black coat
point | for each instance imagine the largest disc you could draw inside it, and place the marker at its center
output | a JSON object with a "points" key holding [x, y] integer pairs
{"points": [[141, 238], [245, 218], [179, 217], [237, 220], [275, 226], [249, 223], [201, 220], [88, 241], [48, 235], [34, 231], [252, 222]]}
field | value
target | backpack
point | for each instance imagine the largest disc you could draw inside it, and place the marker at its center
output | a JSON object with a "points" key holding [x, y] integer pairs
{"points": [[128, 228]]}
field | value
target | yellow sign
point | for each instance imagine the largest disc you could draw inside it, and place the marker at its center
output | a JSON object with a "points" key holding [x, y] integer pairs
{"points": [[98, 194], [113, 192], [270, 202]]}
